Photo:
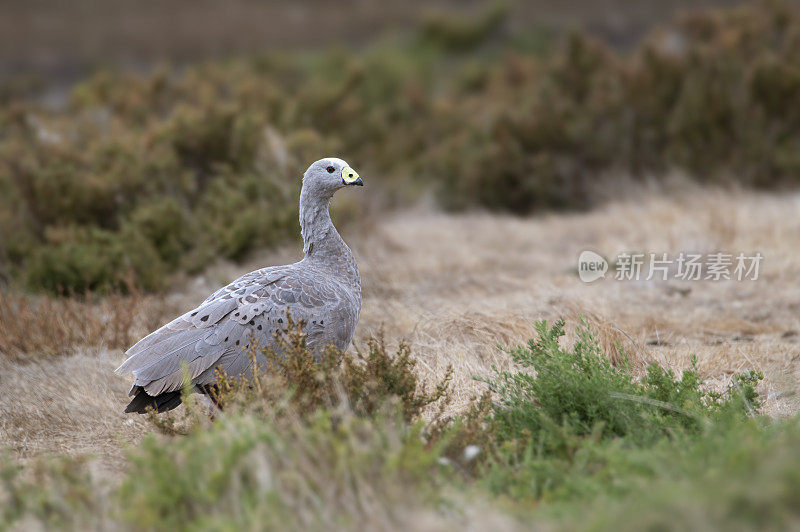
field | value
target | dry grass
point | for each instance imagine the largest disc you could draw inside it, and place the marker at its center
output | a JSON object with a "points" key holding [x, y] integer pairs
{"points": [[68, 404], [454, 287], [56, 359], [33, 327]]}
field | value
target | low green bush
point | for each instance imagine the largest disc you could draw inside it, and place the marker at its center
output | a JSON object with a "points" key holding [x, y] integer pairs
{"points": [[459, 33], [565, 413], [86, 259], [580, 391], [738, 475], [328, 471], [57, 493]]}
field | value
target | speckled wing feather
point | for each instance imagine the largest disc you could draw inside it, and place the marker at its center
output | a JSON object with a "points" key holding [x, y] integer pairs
{"points": [[217, 333]]}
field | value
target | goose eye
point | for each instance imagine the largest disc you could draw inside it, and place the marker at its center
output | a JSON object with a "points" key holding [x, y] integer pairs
{"points": [[330, 169]]}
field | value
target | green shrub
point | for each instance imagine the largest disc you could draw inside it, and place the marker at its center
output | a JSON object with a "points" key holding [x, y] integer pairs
{"points": [[231, 214], [739, 476], [55, 493], [565, 414], [328, 471], [459, 33], [114, 199], [219, 135], [81, 259], [579, 390], [167, 226]]}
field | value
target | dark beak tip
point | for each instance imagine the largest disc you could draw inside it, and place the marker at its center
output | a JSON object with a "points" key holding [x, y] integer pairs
{"points": [[358, 182]]}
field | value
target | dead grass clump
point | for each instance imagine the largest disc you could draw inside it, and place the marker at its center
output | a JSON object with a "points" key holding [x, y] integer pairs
{"points": [[35, 326]]}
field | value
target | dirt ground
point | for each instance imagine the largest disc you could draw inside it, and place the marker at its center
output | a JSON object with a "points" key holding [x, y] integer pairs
{"points": [[456, 286]]}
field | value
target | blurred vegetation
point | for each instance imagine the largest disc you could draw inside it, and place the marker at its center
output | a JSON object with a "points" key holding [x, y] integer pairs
{"points": [[35, 326], [576, 444], [138, 177]]}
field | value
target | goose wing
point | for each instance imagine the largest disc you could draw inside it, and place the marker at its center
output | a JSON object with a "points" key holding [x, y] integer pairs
{"points": [[217, 333]]}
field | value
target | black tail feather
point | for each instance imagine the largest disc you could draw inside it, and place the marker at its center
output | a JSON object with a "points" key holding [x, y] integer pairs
{"points": [[160, 403]]}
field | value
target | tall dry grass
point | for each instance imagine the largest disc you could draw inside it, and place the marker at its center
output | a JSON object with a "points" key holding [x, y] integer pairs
{"points": [[32, 327]]}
